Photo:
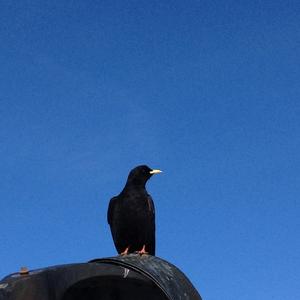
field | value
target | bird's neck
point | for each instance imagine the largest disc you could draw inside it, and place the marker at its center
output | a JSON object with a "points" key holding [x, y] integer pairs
{"points": [[135, 182], [131, 185]]}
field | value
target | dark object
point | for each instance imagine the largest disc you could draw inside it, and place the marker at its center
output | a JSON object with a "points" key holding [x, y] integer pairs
{"points": [[132, 277], [131, 214], [24, 271]]}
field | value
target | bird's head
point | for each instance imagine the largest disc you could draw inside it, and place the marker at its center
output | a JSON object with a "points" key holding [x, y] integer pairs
{"points": [[140, 175]]}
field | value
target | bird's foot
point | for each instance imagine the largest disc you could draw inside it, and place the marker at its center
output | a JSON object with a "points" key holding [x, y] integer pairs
{"points": [[143, 251], [125, 252]]}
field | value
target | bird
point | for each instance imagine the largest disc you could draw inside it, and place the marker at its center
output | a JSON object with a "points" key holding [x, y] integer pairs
{"points": [[131, 214]]}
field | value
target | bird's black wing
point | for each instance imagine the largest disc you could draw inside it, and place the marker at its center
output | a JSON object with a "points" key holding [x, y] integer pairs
{"points": [[151, 232], [113, 215], [111, 209], [151, 205]]}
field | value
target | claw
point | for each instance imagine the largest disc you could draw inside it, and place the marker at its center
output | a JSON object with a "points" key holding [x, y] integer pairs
{"points": [[125, 252], [143, 251]]}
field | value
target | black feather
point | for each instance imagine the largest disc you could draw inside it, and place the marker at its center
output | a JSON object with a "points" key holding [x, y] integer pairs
{"points": [[131, 214]]}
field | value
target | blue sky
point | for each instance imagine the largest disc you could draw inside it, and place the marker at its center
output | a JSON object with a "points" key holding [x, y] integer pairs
{"points": [[207, 91]]}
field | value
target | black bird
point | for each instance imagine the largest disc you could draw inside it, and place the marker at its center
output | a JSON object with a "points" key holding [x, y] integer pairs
{"points": [[131, 214]]}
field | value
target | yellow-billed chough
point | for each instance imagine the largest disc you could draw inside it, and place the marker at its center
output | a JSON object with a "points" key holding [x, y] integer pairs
{"points": [[131, 214]]}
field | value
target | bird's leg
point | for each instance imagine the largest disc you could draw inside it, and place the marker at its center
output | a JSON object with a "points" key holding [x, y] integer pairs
{"points": [[125, 252], [143, 251]]}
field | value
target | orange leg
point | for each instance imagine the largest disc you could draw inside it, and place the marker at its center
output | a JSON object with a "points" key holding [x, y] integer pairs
{"points": [[143, 251], [125, 252]]}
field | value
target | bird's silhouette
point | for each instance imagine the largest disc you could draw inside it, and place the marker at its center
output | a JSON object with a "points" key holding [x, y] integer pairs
{"points": [[131, 214]]}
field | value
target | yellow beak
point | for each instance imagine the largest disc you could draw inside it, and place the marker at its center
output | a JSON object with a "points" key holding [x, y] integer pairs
{"points": [[155, 171]]}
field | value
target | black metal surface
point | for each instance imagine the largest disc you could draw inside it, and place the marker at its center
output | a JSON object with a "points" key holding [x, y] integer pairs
{"points": [[130, 277], [165, 275], [108, 288]]}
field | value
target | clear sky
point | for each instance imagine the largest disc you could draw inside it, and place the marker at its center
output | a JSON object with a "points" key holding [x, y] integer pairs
{"points": [[206, 91]]}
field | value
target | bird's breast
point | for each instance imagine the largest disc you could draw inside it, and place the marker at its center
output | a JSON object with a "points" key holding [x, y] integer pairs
{"points": [[136, 205]]}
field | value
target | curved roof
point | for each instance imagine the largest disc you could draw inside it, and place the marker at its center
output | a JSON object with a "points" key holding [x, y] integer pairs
{"points": [[121, 277]]}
